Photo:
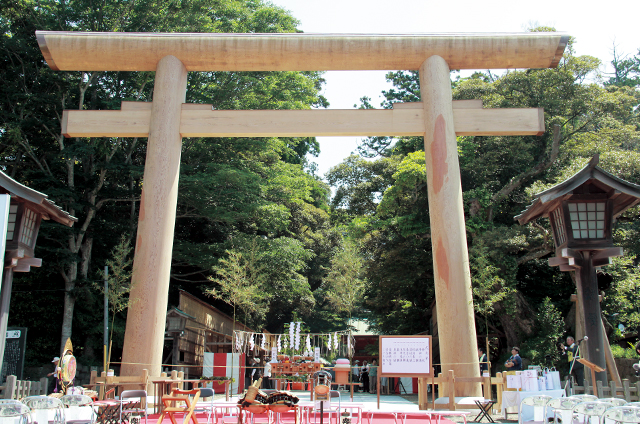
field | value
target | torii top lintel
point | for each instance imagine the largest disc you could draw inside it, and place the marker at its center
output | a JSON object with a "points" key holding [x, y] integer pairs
{"points": [[119, 51]]}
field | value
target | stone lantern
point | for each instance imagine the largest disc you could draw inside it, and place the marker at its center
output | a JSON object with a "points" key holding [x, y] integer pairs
{"points": [[21, 213], [175, 327], [582, 211]]}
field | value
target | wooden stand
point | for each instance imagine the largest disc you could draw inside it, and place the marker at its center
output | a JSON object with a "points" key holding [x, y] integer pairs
{"points": [[593, 367]]}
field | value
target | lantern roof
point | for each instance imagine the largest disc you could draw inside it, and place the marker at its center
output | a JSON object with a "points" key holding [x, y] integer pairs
{"points": [[623, 193], [177, 312], [39, 202]]}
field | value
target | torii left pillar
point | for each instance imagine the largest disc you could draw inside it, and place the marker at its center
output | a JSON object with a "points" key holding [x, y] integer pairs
{"points": [[144, 337], [456, 324]]}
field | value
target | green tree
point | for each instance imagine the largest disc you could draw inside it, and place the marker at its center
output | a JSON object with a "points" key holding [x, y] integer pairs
{"points": [[119, 282], [344, 284], [499, 177], [99, 179]]}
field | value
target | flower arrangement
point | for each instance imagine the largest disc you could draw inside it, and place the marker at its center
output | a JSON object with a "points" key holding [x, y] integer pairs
{"points": [[302, 378]]}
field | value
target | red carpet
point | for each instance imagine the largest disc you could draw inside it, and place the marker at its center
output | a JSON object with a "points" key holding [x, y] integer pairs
{"points": [[379, 417]]}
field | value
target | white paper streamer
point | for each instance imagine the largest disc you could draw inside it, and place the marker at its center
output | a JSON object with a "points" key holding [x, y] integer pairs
{"points": [[263, 342], [279, 343], [251, 343], [329, 342], [238, 344], [298, 336], [336, 340]]}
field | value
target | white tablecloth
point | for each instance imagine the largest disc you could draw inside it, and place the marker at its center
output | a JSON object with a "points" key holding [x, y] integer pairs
{"points": [[513, 398]]}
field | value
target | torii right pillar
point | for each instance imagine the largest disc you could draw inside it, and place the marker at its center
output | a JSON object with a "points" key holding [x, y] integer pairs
{"points": [[458, 350]]}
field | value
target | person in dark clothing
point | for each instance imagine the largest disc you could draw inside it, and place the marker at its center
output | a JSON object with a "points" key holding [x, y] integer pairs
{"points": [[514, 363], [364, 377], [482, 358], [578, 368]]}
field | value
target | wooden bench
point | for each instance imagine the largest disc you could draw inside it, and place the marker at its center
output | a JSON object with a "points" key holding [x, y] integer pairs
{"points": [[105, 383]]}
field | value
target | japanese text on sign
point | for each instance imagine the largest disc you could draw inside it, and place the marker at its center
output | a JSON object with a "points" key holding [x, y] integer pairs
{"points": [[399, 355]]}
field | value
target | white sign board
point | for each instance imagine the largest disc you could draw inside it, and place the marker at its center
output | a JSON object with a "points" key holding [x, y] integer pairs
{"points": [[316, 354], [13, 334], [405, 355], [274, 354]]}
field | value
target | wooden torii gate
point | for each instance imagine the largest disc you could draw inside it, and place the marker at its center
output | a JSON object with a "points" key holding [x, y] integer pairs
{"points": [[168, 118]]}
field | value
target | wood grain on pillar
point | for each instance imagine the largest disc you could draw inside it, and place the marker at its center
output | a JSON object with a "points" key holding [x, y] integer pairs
{"points": [[144, 336], [456, 325]]}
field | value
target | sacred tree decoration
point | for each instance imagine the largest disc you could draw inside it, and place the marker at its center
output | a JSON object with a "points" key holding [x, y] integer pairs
{"points": [[582, 211], [338, 343]]}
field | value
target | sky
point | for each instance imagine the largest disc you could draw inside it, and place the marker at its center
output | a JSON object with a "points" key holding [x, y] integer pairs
{"points": [[595, 26]]}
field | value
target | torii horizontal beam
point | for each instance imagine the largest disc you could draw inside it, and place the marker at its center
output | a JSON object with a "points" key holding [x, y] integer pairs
{"points": [[120, 51], [199, 120]]}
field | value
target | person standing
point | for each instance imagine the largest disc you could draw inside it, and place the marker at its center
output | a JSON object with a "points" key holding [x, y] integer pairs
{"points": [[56, 373], [482, 358], [267, 375], [356, 374], [373, 375], [573, 352], [364, 376], [514, 363]]}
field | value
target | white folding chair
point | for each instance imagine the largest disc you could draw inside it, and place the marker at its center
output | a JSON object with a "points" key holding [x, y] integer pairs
{"points": [[621, 415], [127, 409], [42, 407], [538, 403], [614, 401], [585, 398], [562, 409], [206, 405], [14, 412], [590, 411], [79, 409]]}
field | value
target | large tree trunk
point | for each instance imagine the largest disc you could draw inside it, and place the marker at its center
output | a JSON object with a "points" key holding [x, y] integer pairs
{"points": [[518, 324], [69, 303]]}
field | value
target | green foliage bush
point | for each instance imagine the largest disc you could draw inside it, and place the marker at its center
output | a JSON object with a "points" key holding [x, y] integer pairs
{"points": [[621, 352]]}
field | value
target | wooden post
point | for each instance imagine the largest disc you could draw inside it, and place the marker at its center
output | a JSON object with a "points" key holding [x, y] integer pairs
{"points": [[144, 336], [10, 387], [587, 287], [499, 388], [626, 388], [456, 324], [451, 392], [44, 386]]}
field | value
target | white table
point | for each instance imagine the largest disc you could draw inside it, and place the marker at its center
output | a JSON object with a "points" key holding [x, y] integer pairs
{"points": [[221, 407], [511, 398]]}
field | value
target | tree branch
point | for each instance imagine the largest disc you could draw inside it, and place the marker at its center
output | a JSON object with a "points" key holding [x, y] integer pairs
{"points": [[520, 179]]}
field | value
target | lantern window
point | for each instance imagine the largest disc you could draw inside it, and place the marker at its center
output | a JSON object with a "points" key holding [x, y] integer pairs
{"points": [[29, 218], [587, 220], [559, 232], [11, 223]]}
